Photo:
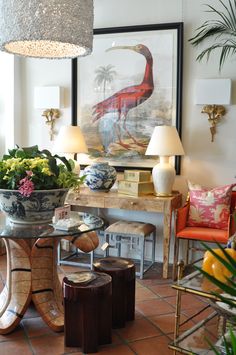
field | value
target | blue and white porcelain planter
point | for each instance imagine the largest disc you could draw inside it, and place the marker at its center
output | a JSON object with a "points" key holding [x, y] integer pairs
{"points": [[36, 209], [100, 176]]}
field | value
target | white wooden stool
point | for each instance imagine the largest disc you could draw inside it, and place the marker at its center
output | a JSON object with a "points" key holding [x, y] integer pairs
{"points": [[129, 231]]}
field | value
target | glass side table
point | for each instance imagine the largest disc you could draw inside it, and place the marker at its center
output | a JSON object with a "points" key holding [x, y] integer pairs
{"points": [[193, 341], [32, 270]]}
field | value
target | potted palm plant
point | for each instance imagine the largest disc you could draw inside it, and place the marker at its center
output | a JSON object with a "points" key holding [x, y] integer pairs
{"points": [[222, 32], [227, 304]]}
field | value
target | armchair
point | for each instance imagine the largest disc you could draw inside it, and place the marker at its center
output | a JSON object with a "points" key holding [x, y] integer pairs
{"points": [[198, 233]]}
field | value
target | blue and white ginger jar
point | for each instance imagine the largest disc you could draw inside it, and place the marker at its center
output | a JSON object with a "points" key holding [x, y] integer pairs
{"points": [[100, 176]]}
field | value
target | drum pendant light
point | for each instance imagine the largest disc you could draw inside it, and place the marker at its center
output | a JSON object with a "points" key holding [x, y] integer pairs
{"points": [[46, 28]]}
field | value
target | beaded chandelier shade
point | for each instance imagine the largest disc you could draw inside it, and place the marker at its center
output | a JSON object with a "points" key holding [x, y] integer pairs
{"points": [[46, 29]]}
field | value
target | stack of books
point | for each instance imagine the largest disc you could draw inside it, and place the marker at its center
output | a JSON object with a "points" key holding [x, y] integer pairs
{"points": [[136, 183]]}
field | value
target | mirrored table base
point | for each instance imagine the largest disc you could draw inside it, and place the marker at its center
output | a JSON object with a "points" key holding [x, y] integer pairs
{"points": [[31, 275]]}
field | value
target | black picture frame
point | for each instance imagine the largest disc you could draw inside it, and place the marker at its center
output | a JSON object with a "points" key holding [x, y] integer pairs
{"points": [[170, 29]]}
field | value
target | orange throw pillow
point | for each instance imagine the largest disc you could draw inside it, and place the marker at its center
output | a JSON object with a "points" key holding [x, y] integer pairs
{"points": [[209, 207]]}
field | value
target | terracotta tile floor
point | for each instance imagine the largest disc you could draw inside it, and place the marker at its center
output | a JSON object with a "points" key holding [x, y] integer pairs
{"points": [[149, 334]]}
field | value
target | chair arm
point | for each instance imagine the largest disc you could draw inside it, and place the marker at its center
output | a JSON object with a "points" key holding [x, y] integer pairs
{"points": [[231, 225], [181, 217]]}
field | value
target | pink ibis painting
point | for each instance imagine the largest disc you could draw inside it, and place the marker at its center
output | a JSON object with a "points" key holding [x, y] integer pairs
{"points": [[126, 99], [131, 83]]}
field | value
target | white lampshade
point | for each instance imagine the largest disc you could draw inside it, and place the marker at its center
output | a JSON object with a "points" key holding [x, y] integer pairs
{"points": [[70, 139], [46, 28], [48, 97], [213, 92], [164, 142]]}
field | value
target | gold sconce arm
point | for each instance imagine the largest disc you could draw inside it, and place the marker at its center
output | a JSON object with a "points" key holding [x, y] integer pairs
{"points": [[50, 116], [215, 113]]}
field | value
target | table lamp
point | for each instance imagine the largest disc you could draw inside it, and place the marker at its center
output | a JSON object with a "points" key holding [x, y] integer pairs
{"points": [[70, 140], [164, 142]]}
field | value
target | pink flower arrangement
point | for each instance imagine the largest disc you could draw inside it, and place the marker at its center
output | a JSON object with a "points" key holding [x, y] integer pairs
{"points": [[26, 185]]}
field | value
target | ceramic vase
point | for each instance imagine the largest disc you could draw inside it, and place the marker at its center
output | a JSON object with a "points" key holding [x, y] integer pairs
{"points": [[100, 176], [36, 209]]}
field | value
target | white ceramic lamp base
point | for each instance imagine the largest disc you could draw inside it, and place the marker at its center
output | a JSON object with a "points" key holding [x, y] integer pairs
{"points": [[163, 175]]}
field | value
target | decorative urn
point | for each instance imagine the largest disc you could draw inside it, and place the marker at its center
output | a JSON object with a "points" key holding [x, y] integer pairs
{"points": [[33, 183], [36, 209], [100, 176]]}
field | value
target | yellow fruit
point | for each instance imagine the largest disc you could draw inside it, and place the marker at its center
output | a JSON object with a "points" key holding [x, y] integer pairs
{"points": [[214, 267]]}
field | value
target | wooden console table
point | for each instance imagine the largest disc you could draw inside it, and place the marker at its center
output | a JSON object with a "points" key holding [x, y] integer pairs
{"points": [[148, 203]]}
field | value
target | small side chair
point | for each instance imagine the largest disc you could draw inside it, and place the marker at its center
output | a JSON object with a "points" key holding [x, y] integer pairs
{"points": [[202, 234], [132, 233]]}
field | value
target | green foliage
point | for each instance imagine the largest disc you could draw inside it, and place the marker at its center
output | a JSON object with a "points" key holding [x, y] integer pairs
{"points": [[230, 264], [229, 288], [221, 31], [229, 344], [45, 170]]}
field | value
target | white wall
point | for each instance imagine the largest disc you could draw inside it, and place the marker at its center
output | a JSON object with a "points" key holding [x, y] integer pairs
{"points": [[205, 162], [38, 72], [7, 130]]}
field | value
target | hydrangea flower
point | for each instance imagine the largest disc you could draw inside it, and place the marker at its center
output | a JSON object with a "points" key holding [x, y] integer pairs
{"points": [[26, 187]]}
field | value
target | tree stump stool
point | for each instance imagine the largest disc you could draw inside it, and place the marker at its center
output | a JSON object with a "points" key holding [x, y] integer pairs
{"points": [[87, 310], [122, 272]]}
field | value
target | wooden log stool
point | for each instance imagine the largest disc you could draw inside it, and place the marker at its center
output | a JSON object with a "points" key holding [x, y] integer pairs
{"points": [[122, 272], [87, 310]]}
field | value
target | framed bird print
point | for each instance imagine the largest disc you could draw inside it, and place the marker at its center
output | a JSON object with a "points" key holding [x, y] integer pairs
{"points": [[130, 83]]}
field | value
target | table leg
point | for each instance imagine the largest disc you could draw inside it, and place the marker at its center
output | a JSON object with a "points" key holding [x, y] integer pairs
{"points": [[178, 302], [16, 295], [167, 215], [46, 287]]}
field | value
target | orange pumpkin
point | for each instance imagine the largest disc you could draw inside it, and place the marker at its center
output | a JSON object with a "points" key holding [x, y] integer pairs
{"points": [[214, 267]]}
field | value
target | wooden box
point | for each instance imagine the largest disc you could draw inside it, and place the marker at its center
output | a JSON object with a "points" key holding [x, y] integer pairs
{"points": [[135, 188], [137, 175]]}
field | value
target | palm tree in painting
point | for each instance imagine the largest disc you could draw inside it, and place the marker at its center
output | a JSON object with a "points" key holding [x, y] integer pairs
{"points": [[104, 75]]}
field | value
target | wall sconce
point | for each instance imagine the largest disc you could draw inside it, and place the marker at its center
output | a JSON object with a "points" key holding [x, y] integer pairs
{"points": [[49, 98], [213, 93], [164, 142]]}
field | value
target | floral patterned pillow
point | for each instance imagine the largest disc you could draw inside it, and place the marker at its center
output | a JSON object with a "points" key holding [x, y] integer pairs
{"points": [[209, 207]]}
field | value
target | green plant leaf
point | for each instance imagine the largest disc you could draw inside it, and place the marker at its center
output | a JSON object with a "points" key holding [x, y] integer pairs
{"points": [[230, 289], [53, 166], [217, 282], [64, 161], [230, 264], [212, 347], [222, 31], [233, 340], [46, 152], [226, 300]]}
